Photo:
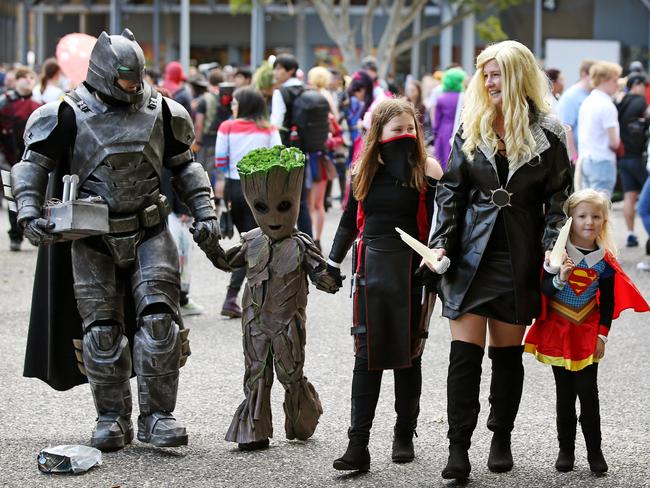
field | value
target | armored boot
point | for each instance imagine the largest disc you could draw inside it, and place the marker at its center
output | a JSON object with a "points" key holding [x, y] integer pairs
{"points": [[107, 362], [365, 393], [463, 386], [565, 418], [156, 358], [408, 386], [505, 394]]}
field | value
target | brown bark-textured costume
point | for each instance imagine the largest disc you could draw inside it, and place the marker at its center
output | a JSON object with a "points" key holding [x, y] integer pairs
{"points": [[278, 260]]}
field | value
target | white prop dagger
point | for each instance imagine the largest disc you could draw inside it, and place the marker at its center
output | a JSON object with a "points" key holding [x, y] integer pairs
{"points": [[557, 254], [440, 266]]}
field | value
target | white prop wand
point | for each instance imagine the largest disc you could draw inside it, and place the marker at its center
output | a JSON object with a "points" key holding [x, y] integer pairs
{"points": [[440, 266], [557, 254]]}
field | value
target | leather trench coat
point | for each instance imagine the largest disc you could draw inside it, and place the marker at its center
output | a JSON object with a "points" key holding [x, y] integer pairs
{"points": [[468, 207]]}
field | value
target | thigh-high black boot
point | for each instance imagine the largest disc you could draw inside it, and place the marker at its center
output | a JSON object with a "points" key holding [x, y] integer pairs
{"points": [[463, 386], [587, 386], [365, 393], [505, 394], [565, 407], [408, 386]]}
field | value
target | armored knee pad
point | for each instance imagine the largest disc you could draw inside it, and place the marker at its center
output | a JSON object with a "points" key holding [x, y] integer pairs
{"points": [[156, 359], [107, 361]]}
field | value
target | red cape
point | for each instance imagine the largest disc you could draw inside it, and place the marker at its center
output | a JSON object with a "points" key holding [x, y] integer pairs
{"points": [[626, 294]]}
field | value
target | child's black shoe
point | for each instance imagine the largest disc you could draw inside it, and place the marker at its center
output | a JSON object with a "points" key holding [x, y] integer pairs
{"points": [[597, 462], [565, 460]]}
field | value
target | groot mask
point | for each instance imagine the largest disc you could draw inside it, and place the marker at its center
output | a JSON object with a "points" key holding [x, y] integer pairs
{"points": [[272, 181]]}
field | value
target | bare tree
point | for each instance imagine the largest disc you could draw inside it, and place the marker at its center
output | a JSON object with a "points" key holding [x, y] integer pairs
{"points": [[336, 18]]}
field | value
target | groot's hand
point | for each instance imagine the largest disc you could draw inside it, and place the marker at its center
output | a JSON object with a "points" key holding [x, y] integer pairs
{"points": [[206, 235], [327, 280]]}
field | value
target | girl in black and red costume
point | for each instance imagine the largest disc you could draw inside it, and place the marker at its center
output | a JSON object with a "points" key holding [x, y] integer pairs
{"points": [[579, 303], [392, 187]]}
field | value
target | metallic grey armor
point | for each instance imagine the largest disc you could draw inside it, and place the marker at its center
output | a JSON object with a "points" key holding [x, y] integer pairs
{"points": [[118, 155], [113, 58]]}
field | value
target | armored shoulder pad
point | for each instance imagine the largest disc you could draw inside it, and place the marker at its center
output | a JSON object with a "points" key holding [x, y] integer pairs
{"points": [[42, 122], [552, 124], [181, 121]]}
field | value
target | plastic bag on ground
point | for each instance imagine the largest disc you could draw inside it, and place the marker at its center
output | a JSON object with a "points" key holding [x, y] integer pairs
{"points": [[68, 459]]}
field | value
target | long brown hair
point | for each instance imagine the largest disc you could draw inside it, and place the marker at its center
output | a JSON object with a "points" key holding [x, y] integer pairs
{"points": [[49, 70], [364, 171]]}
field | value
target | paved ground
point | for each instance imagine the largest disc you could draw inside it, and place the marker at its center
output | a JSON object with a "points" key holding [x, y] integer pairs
{"points": [[34, 416]]}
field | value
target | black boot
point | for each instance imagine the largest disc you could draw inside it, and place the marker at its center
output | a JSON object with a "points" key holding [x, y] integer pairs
{"points": [[356, 457], [565, 417], [505, 394], [463, 385], [365, 393], [587, 386], [408, 386]]}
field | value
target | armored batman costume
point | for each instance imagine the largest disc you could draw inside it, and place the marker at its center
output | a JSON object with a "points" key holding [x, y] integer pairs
{"points": [[116, 134]]}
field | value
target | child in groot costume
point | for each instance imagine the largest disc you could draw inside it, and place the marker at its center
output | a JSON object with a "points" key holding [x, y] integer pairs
{"points": [[278, 260]]}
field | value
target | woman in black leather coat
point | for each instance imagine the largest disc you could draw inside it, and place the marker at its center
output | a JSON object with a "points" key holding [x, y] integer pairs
{"points": [[500, 207]]}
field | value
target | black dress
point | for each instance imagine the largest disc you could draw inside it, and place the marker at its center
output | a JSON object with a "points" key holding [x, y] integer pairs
{"points": [[387, 299]]}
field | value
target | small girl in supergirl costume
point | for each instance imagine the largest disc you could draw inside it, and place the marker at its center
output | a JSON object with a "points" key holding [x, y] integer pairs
{"points": [[578, 306]]}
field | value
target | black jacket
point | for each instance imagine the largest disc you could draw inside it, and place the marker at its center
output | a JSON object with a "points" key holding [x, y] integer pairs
{"points": [[466, 214]]}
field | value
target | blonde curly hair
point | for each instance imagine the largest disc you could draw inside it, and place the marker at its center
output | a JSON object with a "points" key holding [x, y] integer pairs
{"points": [[524, 89], [600, 200]]}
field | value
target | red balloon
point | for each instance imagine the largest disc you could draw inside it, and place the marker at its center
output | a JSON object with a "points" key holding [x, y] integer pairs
{"points": [[73, 54]]}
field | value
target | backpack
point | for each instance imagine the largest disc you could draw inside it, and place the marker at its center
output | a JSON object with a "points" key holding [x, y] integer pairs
{"points": [[307, 111]]}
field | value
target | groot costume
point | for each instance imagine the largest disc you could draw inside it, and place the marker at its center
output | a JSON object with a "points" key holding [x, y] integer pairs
{"points": [[278, 260]]}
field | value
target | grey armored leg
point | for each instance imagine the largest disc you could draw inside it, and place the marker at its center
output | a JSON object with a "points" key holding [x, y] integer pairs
{"points": [[252, 424], [156, 360], [106, 355], [157, 347], [302, 406]]}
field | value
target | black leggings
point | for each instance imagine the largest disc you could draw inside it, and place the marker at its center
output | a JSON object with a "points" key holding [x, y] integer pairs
{"points": [[365, 394], [242, 218]]}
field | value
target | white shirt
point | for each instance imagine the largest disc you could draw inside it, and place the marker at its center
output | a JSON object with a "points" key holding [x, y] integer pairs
{"points": [[597, 114], [278, 108], [52, 93]]}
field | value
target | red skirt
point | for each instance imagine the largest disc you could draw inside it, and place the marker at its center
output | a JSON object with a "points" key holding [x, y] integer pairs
{"points": [[558, 341]]}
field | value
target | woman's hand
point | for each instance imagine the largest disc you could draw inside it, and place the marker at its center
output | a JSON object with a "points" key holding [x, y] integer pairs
{"points": [[600, 349], [566, 268], [438, 254]]}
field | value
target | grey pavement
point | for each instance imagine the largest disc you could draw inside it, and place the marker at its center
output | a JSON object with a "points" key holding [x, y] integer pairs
{"points": [[33, 416]]}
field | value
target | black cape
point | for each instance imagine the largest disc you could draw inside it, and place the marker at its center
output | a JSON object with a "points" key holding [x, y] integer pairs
{"points": [[54, 319]]}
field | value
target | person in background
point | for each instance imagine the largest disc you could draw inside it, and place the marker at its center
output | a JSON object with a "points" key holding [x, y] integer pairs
{"points": [[16, 105], [248, 130], [319, 78], [360, 93], [152, 77], [445, 113], [414, 95], [242, 77], [598, 129], [633, 130], [174, 81], [557, 86], [209, 115], [568, 106], [10, 79], [48, 89]]}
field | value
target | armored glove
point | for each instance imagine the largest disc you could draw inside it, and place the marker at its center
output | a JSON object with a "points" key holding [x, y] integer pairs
{"points": [[335, 274], [39, 231], [206, 234]]}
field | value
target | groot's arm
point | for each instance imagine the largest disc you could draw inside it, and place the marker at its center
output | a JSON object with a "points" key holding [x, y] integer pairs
{"points": [[315, 265]]}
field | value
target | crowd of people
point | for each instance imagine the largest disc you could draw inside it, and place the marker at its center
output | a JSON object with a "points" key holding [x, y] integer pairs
{"points": [[486, 150]]}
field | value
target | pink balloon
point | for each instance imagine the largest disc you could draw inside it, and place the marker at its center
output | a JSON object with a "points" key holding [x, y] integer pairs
{"points": [[73, 54]]}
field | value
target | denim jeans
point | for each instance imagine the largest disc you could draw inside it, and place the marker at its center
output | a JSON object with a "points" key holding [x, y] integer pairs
{"points": [[643, 206], [599, 175]]}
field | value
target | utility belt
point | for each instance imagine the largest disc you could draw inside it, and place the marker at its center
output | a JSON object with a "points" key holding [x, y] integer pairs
{"points": [[148, 217]]}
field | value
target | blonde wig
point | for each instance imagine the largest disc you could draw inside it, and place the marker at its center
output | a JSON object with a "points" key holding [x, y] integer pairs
{"points": [[366, 167], [319, 77], [523, 84], [605, 238]]}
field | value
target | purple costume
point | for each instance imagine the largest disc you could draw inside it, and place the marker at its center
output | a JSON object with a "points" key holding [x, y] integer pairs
{"points": [[443, 125]]}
